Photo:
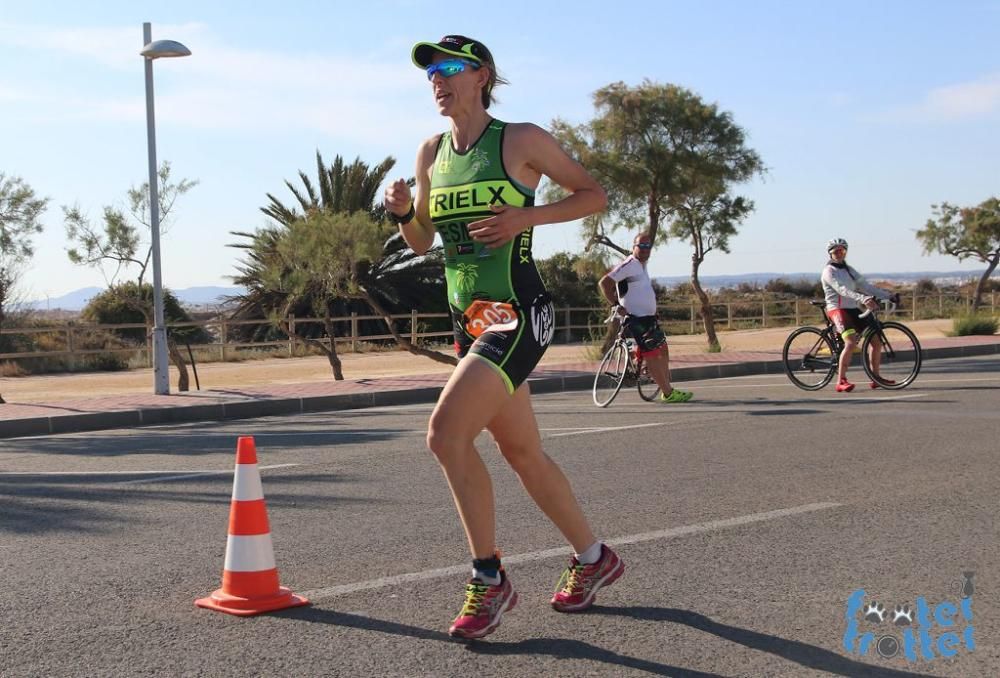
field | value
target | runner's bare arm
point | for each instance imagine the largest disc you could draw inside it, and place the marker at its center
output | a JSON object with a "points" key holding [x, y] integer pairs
{"points": [[530, 153], [538, 154], [418, 232]]}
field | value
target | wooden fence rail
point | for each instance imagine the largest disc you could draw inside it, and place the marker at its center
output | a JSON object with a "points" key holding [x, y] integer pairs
{"points": [[571, 323]]}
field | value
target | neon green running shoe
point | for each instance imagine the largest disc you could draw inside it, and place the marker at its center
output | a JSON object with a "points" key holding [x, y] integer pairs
{"points": [[676, 396]]}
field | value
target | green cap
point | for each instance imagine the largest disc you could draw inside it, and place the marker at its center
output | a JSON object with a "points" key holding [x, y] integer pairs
{"points": [[455, 45]]}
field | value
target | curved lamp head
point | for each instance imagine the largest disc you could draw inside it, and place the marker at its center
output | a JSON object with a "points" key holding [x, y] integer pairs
{"points": [[164, 48]]}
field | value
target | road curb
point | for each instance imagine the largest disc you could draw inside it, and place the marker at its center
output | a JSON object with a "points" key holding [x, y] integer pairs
{"points": [[97, 421]]}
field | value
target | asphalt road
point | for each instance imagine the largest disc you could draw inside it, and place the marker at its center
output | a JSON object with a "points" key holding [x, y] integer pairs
{"points": [[746, 519]]}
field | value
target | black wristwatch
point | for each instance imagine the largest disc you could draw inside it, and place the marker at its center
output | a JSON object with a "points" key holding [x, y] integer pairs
{"points": [[405, 219]]}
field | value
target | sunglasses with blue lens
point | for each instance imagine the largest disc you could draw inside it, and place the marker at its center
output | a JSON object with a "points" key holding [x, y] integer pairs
{"points": [[450, 67], [644, 245]]}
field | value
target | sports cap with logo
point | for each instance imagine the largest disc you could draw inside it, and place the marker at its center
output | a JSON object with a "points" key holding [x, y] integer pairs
{"points": [[453, 45]]}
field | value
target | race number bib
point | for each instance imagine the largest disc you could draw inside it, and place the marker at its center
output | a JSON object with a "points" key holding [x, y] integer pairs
{"points": [[489, 316]]}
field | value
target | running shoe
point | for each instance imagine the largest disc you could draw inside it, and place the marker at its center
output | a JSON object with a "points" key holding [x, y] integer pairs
{"points": [[875, 384], [483, 608], [580, 583], [845, 387], [676, 396]]}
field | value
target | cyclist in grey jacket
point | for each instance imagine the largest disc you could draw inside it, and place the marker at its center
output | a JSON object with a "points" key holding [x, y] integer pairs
{"points": [[847, 293]]}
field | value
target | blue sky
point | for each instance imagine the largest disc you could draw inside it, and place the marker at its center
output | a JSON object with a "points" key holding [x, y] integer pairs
{"points": [[866, 113]]}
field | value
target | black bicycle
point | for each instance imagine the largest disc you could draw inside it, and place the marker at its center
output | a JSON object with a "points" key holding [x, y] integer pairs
{"points": [[811, 355], [622, 364]]}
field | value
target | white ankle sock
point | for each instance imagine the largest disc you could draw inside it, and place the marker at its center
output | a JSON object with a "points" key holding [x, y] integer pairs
{"points": [[491, 581], [591, 555]]}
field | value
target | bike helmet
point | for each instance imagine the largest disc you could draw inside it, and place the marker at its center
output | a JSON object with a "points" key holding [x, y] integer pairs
{"points": [[835, 243]]}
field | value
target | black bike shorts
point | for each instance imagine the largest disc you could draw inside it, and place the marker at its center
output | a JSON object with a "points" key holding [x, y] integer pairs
{"points": [[513, 349], [849, 320], [646, 331]]}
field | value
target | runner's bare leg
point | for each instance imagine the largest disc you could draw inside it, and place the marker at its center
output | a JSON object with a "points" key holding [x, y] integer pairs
{"points": [[516, 432]]}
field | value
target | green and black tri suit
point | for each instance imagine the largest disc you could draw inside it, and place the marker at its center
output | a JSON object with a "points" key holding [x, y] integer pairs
{"points": [[463, 186]]}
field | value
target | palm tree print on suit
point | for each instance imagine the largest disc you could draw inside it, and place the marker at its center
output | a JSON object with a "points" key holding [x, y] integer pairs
{"points": [[465, 278]]}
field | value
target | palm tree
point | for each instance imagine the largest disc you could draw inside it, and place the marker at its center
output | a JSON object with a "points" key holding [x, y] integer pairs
{"points": [[404, 279], [399, 280], [342, 188]]}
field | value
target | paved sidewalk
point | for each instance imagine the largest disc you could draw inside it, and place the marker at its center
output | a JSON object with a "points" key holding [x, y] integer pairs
{"points": [[96, 412]]}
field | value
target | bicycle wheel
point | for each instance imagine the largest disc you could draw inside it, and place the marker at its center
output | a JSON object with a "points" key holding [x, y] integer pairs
{"points": [[648, 390], [900, 356], [810, 358], [610, 374]]}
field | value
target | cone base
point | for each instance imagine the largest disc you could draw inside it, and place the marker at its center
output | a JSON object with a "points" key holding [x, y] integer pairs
{"points": [[246, 607]]}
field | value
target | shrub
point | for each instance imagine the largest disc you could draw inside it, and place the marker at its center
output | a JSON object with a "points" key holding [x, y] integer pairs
{"points": [[965, 325], [803, 288], [117, 305]]}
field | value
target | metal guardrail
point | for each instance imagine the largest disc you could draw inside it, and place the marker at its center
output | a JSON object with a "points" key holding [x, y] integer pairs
{"points": [[759, 312]]}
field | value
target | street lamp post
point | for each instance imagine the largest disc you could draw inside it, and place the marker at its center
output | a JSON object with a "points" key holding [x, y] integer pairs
{"points": [[155, 50]]}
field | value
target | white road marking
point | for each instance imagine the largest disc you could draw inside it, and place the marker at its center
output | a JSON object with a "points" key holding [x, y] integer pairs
{"points": [[334, 433], [198, 475], [605, 429], [670, 533], [905, 396], [157, 475], [920, 381], [277, 434]]}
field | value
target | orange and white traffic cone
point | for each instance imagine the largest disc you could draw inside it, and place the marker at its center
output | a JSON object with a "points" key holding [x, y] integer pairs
{"points": [[249, 576]]}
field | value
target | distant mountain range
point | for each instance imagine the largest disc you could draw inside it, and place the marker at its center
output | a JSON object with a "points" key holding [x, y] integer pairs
{"points": [[210, 296], [191, 296]]}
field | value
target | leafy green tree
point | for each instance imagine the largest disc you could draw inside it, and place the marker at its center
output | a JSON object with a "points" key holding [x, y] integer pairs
{"points": [[667, 160], [572, 279], [330, 255], [119, 246], [20, 211], [338, 188], [925, 286], [113, 307], [275, 272], [966, 232], [120, 243]]}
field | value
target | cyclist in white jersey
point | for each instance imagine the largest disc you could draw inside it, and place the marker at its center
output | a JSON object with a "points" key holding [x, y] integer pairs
{"points": [[847, 293], [628, 285]]}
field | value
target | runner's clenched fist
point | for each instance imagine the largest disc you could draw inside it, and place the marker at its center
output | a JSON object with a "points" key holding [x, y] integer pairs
{"points": [[398, 197]]}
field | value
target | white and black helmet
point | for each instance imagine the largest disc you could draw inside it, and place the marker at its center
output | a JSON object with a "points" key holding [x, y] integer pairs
{"points": [[835, 243]]}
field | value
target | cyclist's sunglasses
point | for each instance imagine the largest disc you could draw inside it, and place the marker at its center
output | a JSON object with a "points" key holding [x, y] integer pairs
{"points": [[450, 67], [644, 245]]}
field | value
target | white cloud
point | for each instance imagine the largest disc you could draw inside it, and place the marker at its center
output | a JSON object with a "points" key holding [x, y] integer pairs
{"points": [[229, 88], [970, 99], [951, 103], [116, 47], [12, 94]]}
